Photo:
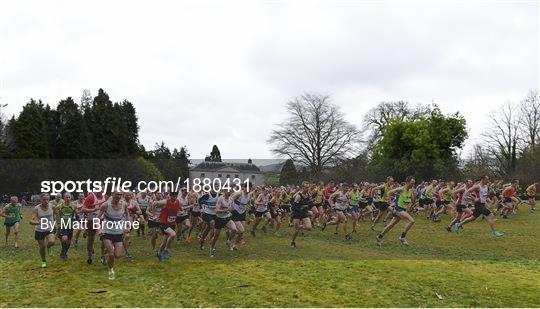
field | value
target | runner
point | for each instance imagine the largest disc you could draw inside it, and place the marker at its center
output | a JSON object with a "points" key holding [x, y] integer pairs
{"points": [[115, 215], [300, 208], [354, 205], [167, 223], [12, 214], [531, 195], [238, 214], [196, 220], [317, 198], [65, 216], [43, 219], [383, 199], [327, 192], [79, 216], [463, 199], [154, 213], [339, 202], [445, 197], [261, 212], [406, 198], [429, 200], [224, 205], [481, 189], [274, 207], [182, 218], [508, 199], [143, 199], [208, 202], [91, 208], [135, 215]]}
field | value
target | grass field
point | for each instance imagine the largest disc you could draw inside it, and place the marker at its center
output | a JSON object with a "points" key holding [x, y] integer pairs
{"points": [[468, 270]]}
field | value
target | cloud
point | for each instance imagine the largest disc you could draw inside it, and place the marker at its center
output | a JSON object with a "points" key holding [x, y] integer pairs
{"points": [[204, 73]]}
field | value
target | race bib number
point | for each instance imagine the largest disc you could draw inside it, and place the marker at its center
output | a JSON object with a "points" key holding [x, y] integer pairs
{"points": [[171, 218]]}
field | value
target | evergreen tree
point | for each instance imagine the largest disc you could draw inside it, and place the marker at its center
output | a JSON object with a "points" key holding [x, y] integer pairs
{"points": [[73, 135], [288, 174], [132, 130], [182, 161], [30, 133], [101, 121]]}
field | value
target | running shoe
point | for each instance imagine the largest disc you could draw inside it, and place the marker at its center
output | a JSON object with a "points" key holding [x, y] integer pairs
{"points": [[404, 241], [323, 227], [496, 234], [102, 260], [293, 244], [166, 255], [448, 229], [128, 255], [201, 245], [348, 237], [89, 260], [43, 264], [111, 274], [213, 252], [458, 227], [379, 239]]}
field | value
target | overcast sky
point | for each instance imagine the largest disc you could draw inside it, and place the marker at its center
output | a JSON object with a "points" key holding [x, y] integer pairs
{"points": [[201, 73]]}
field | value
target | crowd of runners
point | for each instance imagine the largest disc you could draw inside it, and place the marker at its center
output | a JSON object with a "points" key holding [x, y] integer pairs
{"points": [[200, 217]]}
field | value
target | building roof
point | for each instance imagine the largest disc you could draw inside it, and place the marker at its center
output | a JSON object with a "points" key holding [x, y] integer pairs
{"points": [[217, 166]]}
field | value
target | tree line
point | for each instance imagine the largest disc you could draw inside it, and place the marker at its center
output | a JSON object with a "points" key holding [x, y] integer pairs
{"points": [[93, 138], [399, 139]]}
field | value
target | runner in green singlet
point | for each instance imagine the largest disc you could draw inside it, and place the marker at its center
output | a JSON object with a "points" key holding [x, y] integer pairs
{"points": [[12, 213], [66, 215], [406, 198], [354, 205]]}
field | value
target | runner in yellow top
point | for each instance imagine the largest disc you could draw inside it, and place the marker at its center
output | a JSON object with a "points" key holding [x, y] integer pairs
{"points": [[446, 197], [382, 201], [531, 195]]}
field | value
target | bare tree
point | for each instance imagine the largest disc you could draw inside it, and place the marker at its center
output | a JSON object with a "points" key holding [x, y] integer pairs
{"points": [[530, 119], [481, 162], [503, 137], [315, 134], [377, 118]]}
